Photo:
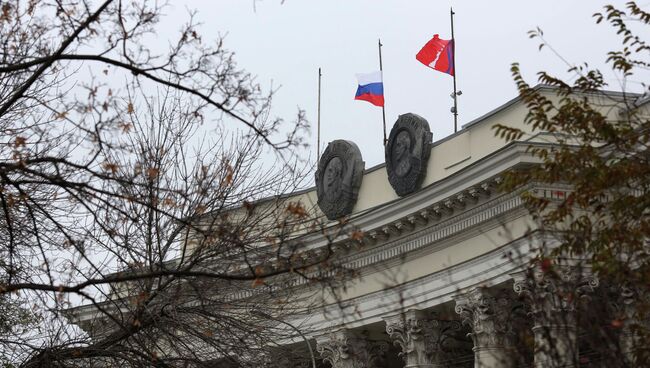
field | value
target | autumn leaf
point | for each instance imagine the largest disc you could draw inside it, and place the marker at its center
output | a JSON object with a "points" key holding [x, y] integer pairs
{"points": [[6, 8], [257, 282], [229, 175], [546, 265], [107, 166], [248, 206], [259, 270], [152, 173], [129, 108], [296, 209], [20, 141], [357, 235], [126, 127], [62, 115]]}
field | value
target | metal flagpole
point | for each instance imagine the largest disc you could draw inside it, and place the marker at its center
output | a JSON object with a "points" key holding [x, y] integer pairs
{"points": [[318, 134], [453, 61], [383, 109]]}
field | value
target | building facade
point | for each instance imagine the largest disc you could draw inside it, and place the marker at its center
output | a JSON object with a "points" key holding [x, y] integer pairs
{"points": [[444, 275]]}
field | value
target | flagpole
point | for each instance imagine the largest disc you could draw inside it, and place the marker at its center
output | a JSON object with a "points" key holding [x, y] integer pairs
{"points": [[318, 134], [453, 61], [383, 109]]}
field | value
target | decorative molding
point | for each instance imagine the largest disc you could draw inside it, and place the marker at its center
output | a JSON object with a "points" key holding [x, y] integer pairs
{"points": [[417, 240], [417, 220], [436, 232]]}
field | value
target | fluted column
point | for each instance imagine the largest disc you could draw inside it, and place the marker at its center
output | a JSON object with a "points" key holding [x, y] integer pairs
{"points": [[345, 349], [420, 337], [489, 318], [553, 296]]}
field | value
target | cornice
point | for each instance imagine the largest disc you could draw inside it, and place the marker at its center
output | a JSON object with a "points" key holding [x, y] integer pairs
{"points": [[396, 243], [491, 268]]}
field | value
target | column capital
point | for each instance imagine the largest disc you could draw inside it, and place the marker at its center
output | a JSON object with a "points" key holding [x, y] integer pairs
{"points": [[420, 336], [488, 316], [555, 291], [346, 349]]}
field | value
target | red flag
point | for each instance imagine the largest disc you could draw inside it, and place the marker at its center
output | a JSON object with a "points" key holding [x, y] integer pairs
{"points": [[438, 54]]}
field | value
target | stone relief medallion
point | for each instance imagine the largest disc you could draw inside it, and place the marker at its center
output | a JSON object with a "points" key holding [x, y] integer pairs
{"points": [[338, 178], [407, 153]]}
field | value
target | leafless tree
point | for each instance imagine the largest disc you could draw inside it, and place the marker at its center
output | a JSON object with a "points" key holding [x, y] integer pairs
{"points": [[133, 179]]}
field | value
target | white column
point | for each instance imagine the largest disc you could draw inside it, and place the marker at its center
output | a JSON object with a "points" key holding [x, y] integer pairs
{"points": [[420, 337], [489, 318], [345, 349], [554, 296]]}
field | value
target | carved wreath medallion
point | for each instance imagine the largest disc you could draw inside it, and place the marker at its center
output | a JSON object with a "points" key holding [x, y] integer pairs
{"points": [[338, 178], [407, 153]]}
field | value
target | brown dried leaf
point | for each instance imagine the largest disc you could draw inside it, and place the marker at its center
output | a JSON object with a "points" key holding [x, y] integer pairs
{"points": [[126, 127], [152, 172], [6, 8], [20, 141], [110, 167], [257, 282], [357, 235]]}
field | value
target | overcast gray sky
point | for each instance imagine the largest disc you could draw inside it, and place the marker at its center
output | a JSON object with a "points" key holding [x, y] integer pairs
{"points": [[286, 43]]}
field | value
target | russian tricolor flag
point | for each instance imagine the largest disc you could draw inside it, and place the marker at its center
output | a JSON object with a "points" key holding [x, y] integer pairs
{"points": [[371, 88]]}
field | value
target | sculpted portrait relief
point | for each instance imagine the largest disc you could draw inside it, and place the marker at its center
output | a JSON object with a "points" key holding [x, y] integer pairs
{"points": [[333, 179], [407, 153], [338, 178], [401, 153]]}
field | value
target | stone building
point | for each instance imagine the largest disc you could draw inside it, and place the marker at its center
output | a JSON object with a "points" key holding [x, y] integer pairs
{"points": [[444, 276]]}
